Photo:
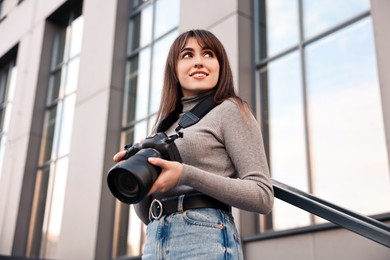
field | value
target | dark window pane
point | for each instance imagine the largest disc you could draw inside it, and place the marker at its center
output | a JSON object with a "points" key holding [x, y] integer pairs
{"points": [[54, 86], [48, 135], [137, 87], [140, 29]]}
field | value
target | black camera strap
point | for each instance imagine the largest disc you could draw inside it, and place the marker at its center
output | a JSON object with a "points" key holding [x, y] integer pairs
{"points": [[197, 112], [190, 117]]}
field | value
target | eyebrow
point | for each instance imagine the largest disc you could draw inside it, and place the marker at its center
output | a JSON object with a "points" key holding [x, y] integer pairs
{"points": [[186, 49], [191, 49]]}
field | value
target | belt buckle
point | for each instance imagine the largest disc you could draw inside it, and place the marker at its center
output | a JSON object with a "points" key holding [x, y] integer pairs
{"points": [[158, 205]]}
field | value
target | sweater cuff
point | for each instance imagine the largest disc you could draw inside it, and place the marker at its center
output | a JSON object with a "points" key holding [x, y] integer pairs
{"points": [[185, 177]]}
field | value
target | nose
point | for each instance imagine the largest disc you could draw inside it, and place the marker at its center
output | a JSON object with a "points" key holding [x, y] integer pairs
{"points": [[198, 63]]}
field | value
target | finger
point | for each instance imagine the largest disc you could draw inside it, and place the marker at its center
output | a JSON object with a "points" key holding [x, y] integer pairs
{"points": [[157, 161], [152, 190], [118, 156]]}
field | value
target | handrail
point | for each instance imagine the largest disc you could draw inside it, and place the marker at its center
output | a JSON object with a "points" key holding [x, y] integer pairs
{"points": [[362, 225]]}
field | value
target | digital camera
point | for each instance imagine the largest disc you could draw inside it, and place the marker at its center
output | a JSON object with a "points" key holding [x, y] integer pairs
{"points": [[131, 179]]}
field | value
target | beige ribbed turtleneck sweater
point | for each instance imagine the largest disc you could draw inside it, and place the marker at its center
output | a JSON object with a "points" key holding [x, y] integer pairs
{"points": [[223, 157]]}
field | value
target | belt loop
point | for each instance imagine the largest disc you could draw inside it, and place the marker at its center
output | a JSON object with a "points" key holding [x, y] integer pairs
{"points": [[180, 200]]}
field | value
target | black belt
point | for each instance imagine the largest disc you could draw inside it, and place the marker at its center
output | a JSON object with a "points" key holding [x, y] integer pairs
{"points": [[167, 206]]}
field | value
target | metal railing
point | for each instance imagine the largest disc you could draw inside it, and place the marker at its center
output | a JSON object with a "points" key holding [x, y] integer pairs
{"points": [[362, 225]]}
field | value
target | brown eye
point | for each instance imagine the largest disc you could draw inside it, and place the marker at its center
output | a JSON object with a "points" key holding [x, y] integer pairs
{"points": [[186, 55], [209, 54]]}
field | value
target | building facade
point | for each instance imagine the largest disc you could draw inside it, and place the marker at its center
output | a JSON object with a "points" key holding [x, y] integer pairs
{"points": [[79, 79]]}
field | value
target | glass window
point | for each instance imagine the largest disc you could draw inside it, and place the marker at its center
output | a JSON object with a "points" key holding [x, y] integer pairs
{"points": [[7, 90], [167, 16], [287, 151], [152, 29], [160, 53], [48, 135], [277, 25], [54, 205], [324, 122], [321, 15], [137, 86], [140, 29], [56, 138], [346, 123]]}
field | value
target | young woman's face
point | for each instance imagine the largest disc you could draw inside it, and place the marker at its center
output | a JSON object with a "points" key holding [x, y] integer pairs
{"points": [[197, 69]]}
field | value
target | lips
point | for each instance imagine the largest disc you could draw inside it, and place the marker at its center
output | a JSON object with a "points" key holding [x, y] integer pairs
{"points": [[199, 74]]}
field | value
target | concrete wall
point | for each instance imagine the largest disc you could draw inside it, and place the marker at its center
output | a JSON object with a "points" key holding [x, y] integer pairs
{"points": [[380, 10]]}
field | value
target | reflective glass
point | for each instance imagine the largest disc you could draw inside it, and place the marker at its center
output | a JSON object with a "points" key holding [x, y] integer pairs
{"points": [[160, 52], [3, 84], [319, 15], [57, 132], [135, 134], [279, 26], [348, 144], [137, 2], [130, 90], [167, 16], [7, 90], [38, 225], [135, 228], [140, 131], [2, 117], [48, 135], [54, 205], [72, 76], [288, 161], [55, 85], [76, 36], [151, 123], [58, 49], [137, 87], [66, 125], [5, 117], [140, 29]]}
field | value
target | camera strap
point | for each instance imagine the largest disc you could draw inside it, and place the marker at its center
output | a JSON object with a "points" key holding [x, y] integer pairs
{"points": [[196, 113], [190, 117]]}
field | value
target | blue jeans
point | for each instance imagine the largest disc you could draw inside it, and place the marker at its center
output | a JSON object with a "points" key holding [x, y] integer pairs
{"points": [[193, 234]]}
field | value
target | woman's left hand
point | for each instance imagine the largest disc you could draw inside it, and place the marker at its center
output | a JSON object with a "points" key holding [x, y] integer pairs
{"points": [[169, 176]]}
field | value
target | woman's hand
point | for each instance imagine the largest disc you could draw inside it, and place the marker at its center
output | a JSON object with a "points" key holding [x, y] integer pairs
{"points": [[169, 176], [119, 156]]}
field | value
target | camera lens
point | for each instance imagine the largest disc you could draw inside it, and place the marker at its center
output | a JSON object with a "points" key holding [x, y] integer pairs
{"points": [[126, 184], [131, 179]]}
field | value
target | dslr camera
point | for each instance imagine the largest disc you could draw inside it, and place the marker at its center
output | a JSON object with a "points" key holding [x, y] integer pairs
{"points": [[131, 179]]}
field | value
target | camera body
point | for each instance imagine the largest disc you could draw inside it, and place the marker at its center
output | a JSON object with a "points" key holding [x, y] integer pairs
{"points": [[161, 142], [131, 179]]}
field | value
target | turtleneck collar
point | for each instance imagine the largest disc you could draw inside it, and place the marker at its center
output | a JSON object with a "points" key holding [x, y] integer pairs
{"points": [[189, 102]]}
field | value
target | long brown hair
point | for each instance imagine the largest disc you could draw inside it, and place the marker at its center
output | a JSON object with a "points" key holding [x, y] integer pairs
{"points": [[171, 92]]}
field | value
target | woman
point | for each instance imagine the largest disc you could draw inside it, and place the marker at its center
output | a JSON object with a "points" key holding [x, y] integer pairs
{"points": [[224, 163]]}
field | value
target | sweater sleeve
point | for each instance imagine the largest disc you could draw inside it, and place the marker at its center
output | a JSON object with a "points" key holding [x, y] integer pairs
{"points": [[251, 188]]}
